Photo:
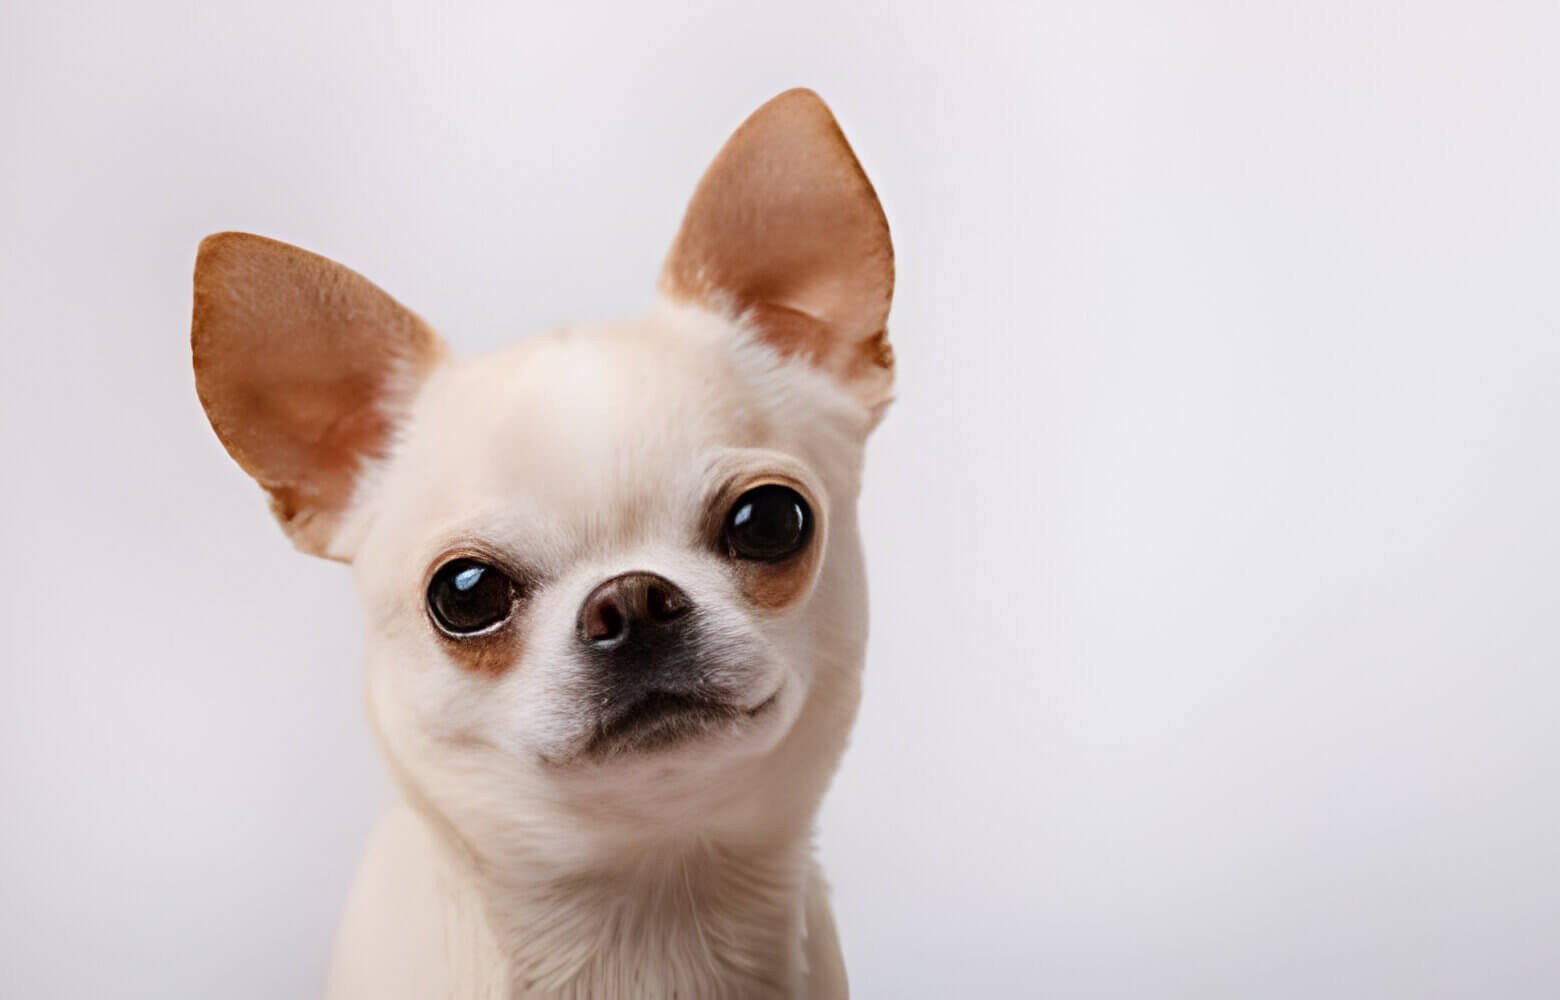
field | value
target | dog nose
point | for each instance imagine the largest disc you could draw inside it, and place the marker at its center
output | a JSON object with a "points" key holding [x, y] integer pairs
{"points": [[633, 604]]}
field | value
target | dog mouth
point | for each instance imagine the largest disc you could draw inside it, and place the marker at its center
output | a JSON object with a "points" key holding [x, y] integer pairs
{"points": [[658, 720]]}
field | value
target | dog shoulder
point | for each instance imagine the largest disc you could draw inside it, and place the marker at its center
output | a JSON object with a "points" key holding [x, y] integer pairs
{"points": [[412, 929]]}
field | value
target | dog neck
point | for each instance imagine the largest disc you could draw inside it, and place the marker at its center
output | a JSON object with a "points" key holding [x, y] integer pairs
{"points": [[691, 918]]}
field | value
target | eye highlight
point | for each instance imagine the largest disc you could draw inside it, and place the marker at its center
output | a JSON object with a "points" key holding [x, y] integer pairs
{"points": [[467, 597], [768, 523]]}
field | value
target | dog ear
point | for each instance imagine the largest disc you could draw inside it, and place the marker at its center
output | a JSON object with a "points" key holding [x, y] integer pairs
{"points": [[786, 229], [305, 368]]}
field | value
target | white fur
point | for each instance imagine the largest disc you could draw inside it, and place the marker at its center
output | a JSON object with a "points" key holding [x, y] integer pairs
{"points": [[512, 869]]}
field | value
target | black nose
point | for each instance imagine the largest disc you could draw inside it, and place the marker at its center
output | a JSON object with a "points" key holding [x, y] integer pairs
{"points": [[637, 605]]}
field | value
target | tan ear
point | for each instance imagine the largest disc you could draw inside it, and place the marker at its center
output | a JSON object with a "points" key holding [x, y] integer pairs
{"points": [[786, 228], [304, 368]]}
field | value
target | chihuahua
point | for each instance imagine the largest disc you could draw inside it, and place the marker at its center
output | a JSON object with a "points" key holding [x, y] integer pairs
{"points": [[615, 601]]}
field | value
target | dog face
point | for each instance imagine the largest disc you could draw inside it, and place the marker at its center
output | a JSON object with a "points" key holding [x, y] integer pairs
{"points": [[611, 574]]}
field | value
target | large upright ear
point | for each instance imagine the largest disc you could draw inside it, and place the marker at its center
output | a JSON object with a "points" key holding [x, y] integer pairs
{"points": [[304, 368], [785, 228]]}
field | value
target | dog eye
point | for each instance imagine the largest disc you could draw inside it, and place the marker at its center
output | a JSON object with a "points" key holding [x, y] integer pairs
{"points": [[467, 597], [768, 523]]}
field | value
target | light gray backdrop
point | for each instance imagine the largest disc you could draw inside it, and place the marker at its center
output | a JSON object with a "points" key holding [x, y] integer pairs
{"points": [[1214, 545]]}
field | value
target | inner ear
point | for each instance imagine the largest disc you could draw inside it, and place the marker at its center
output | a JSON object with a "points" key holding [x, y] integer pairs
{"points": [[785, 228], [305, 369]]}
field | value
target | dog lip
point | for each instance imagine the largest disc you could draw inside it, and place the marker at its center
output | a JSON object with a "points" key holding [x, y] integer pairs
{"points": [[662, 718]]}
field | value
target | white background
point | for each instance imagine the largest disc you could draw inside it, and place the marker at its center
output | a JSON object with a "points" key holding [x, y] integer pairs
{"points": [[1216, 569]]}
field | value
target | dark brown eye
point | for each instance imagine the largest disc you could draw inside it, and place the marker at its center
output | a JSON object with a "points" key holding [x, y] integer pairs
{"points": [[467, 597], [768, 523]]}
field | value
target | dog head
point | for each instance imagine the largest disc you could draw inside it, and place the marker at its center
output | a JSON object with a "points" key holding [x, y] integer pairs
{"points": [[611, 574]]}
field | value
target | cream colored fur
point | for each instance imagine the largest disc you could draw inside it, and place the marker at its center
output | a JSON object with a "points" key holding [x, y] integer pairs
{"points": [[687, 873], [520, 864]]}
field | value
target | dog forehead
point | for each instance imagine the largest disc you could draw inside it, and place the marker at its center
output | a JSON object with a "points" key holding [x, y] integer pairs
{"points": [[590, 422]]}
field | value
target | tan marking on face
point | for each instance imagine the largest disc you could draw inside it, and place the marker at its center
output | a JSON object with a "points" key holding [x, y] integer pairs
{"points": [[489, 655]]}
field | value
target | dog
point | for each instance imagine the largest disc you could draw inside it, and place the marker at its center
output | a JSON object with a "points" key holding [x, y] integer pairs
{"points": [[613, 585]]}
